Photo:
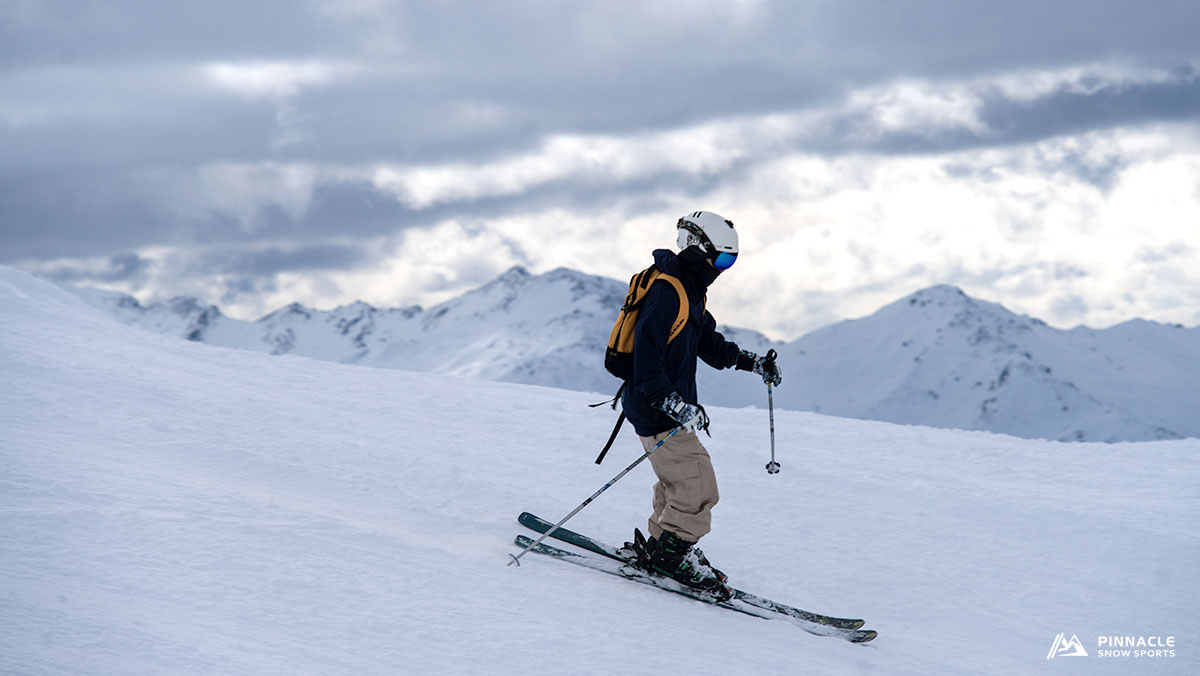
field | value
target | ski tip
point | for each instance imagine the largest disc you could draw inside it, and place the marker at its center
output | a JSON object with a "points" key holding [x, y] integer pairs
{"points": [[864, 636], [841, 622]]}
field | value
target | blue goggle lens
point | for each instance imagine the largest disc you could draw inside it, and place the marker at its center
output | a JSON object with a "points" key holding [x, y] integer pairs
{"points": [[724, 260]]}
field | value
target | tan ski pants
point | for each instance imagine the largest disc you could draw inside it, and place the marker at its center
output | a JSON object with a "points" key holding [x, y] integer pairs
{"points": [[687, 486]]}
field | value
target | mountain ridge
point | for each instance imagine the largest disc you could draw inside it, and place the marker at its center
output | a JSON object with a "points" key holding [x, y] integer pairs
{"points": [[936, 357]]}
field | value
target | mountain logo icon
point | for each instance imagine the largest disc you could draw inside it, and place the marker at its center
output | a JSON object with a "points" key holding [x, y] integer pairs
{"points": [[1064, 647]]}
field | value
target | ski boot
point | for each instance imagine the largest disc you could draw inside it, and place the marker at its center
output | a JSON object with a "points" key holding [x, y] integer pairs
{"points": [[680, 560]]}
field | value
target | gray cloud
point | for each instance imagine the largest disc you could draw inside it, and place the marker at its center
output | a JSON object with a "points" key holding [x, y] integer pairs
{"points": [[71, 213], [438, 80], [271, 261], [1110, 105], [129, 268], [81, 214]]}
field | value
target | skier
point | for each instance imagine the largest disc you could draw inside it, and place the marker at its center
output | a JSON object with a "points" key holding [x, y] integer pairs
{"points": [[661, 396]]}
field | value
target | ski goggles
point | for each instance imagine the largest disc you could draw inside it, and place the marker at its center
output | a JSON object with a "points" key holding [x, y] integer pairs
{"points": [[724, 260]]}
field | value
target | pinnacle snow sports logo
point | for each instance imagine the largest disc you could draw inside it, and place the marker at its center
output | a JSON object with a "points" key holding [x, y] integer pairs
{"points": [[1135, 646], [1066, 648]]}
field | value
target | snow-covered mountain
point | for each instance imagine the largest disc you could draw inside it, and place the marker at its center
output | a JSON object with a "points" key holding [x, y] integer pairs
{"points": [[937, 357], [168, 507], [538, 329], [942, 358]]}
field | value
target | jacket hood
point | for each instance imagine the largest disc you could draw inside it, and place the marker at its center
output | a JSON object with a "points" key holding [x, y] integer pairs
{"points": [[667, 261]]}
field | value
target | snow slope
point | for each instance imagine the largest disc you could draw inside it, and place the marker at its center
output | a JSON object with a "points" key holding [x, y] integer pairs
{"points": [[170, 507], [937, 357]]}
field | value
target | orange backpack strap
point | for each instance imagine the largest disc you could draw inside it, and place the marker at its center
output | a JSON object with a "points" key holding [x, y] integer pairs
{"points": [[681, 317]]}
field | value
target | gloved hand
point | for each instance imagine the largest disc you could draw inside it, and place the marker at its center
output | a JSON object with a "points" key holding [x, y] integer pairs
{"points": [[689, 416], [764, 366]]}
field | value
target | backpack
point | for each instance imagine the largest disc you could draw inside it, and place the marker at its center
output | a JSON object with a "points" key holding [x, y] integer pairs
{"points": [[618, 356]]}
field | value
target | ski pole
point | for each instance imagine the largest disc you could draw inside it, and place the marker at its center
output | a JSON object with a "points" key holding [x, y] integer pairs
{"points": [[516, 558], [772, 467]]}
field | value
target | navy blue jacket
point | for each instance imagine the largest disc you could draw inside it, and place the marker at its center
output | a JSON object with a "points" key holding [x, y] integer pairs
{"points": [[660, 368]]}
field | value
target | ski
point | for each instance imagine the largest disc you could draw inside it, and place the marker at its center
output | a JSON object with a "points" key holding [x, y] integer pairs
{"points": [[540, 525], [620, 569]]}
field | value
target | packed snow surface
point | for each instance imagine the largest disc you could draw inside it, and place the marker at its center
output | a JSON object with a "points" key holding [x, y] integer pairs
{"points": [[171, 507]]}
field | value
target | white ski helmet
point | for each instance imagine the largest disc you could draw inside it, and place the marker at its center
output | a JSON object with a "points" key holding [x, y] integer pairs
{"points": [[711, 232]]}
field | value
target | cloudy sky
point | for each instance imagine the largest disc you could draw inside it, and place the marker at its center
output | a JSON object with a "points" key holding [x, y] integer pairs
{"points": [[1044, 155]]}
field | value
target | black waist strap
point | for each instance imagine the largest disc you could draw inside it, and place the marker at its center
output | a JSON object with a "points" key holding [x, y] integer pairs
{"points": [[616, 428], [611, 438]]}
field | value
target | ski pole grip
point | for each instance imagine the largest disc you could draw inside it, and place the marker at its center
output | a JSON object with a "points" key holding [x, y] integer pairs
{"points": [[771, 355]]}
